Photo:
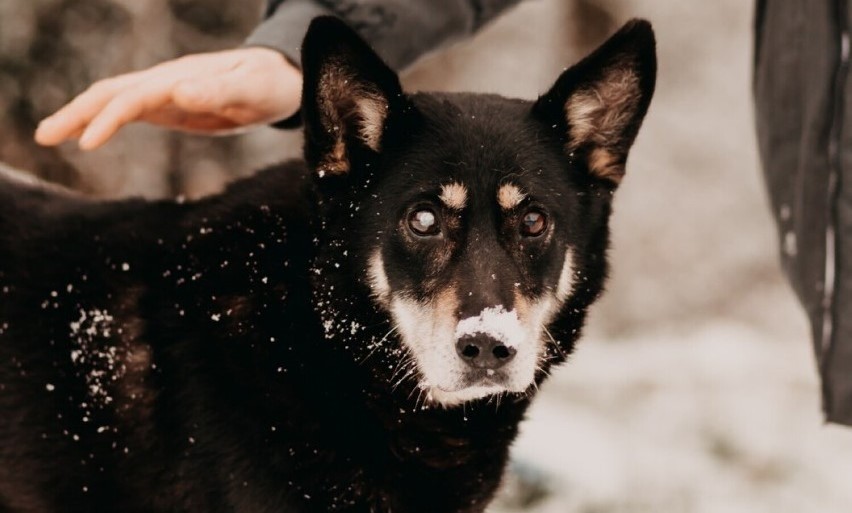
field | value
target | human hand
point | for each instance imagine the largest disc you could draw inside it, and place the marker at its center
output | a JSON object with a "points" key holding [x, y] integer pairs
{"points": [[203, 93]]}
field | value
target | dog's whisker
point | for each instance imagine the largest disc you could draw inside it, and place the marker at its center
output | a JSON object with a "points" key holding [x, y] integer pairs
{"points": [[420, 402], [404, 377], [399, 375], [378, 345], [401, 365], [555, 343], [417, 388]]}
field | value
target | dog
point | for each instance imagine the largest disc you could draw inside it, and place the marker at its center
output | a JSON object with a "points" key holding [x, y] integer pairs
{"points": [[359, 332]]}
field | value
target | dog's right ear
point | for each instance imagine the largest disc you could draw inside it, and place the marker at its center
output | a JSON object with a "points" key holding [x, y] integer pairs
{"points": [[347, 97]]}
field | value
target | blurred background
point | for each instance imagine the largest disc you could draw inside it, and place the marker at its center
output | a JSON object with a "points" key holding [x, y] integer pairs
{"points": [[694, 388]]}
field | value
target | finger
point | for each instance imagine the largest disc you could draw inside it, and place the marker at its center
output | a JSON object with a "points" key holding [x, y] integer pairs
{"points": [[73, 117], [125, 108]]}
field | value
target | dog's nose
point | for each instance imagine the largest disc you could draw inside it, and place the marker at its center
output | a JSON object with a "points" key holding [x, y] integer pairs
{"points": [[483, 352]]}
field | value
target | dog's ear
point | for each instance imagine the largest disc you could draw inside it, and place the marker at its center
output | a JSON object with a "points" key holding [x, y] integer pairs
{"points": [[347, 96], [598, 104]]}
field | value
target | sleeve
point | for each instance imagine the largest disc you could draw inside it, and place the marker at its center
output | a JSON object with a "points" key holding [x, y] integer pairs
{"points": [[400, 31]]}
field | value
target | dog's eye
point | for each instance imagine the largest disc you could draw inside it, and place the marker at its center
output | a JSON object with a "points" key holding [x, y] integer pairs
{"points": [[533, 223], [424, 222]]}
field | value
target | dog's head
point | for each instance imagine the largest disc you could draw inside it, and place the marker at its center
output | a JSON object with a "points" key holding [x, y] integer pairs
{"points": [[477, 221]]}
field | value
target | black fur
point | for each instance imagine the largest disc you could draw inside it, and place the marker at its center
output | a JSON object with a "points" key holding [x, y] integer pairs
{"points": [[226, 355]]}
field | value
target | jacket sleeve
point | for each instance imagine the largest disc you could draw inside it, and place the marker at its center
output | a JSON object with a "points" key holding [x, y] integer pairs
{"points": [[399, 30]]}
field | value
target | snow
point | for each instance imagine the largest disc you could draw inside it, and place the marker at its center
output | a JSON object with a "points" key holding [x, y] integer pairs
{"points": [[95, 354], [496, 322]]}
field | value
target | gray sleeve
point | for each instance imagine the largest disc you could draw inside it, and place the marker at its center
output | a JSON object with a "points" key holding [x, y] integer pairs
{"points": [[401, 31]]}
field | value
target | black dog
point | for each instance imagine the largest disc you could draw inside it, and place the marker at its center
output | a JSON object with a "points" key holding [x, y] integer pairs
{"points": [[360, 334]]}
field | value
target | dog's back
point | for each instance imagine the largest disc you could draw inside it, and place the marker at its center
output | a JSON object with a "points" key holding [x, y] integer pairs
{"points": [[103, 305]]}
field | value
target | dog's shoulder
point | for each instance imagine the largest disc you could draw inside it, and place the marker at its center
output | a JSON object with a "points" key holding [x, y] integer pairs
{"points": [[286, 185]]}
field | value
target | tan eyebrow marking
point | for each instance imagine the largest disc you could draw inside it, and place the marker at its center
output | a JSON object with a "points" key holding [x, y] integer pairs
{"points": [[454, 195], [509, 196]]}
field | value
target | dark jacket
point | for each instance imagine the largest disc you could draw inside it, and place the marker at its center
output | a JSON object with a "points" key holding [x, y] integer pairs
{"points": [[399, 30], [803, 126]]}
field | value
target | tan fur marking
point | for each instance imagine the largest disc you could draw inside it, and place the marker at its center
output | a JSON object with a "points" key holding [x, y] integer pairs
{"points": [[522, 304], [454, 195], [446, 305], [336, 162], [606, 165], [509, 196], [372, 111], [565, 286], [346, 104], [598, 115]]}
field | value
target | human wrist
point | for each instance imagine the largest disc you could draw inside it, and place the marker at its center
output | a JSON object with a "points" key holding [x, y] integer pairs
{"points": [[285, 28]]}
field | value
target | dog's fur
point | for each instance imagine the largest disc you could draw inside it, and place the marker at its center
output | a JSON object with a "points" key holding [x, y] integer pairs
{"points": [[295, 344]]}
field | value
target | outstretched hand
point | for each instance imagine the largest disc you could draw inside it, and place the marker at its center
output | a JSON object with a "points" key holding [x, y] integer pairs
{"points": [[203, 93]]}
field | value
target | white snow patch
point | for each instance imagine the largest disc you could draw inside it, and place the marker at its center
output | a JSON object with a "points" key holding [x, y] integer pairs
{"points": [[95, 356], [496, 322]]}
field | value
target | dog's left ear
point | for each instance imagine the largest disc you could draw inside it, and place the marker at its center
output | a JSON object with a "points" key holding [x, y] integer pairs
{"points": [[347, 96], [598, 104]]}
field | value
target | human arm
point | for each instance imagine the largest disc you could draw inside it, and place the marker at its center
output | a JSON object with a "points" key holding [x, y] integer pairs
{"points": [[203, 93], [260, 82], [400, 31]]}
